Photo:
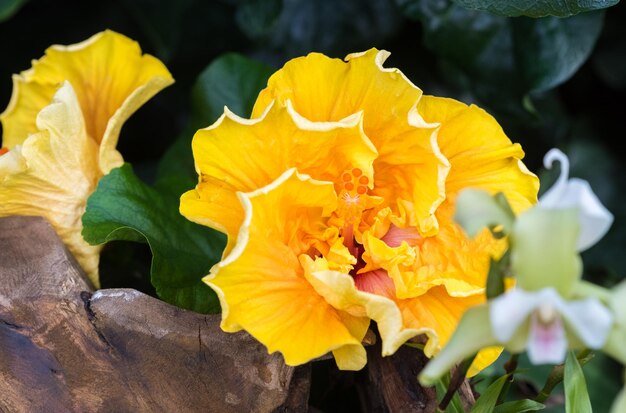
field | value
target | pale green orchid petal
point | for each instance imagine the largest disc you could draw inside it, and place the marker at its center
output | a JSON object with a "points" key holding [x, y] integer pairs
{"points": [[619, 405], [554, 324], [472, 334], [594, 219], [510, 310], [618, 303], [544, 251], [477, 209], [588, 320], [615, 344]]}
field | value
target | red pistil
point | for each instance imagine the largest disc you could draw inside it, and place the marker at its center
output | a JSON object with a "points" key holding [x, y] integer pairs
{"points": [[3, 151]]}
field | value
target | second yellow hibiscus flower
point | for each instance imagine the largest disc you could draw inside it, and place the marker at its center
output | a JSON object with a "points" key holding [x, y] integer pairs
{"points": [[61, 128]]}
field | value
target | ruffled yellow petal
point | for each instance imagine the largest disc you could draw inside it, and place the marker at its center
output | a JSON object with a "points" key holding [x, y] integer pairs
{"points": [[340, 291], [237, 154], [480, 154], [56, 174], [111, 78], [261, 285], [325, 89]]}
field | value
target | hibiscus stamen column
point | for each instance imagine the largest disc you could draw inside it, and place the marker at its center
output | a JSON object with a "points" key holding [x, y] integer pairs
{"points": [[354, 190]]}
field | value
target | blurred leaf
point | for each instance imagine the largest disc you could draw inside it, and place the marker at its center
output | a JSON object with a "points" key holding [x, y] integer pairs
{"points": [[487, 401], [519, 406], [505, 58], [256, 18], [550, 50], [333, 27], [230, 80], [536, 8], [124, 208], [576, 396], [9, 7], [160, 22], [603, 380]]}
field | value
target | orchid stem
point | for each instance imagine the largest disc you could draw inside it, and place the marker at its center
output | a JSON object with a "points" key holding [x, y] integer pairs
{"points": [[556, 375], [455, 382], [509, 368]]}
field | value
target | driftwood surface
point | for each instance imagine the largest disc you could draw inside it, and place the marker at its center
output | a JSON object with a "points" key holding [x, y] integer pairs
{"points": [[64, 348]]}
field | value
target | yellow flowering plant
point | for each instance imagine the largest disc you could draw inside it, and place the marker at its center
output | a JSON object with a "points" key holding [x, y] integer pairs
{"points": [[61, 128], [337, 198], [328, 207]]}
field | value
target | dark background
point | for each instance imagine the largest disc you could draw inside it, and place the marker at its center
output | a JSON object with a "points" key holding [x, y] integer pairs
{"points": [[550, 83]]}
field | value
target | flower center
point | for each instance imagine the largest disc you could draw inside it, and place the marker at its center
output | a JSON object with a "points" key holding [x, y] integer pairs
{"points": [[3, 151], [546, 314], [351, 205]]}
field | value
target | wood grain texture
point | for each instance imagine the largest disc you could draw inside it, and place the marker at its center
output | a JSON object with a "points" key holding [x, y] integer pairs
{"points": [[64, 348]]}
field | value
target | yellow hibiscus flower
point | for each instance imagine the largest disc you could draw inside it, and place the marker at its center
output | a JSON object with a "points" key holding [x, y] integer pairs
{"points": [[61, 128], [337, 199]]}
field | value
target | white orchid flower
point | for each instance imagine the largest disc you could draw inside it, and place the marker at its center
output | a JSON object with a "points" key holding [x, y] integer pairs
{"points": [[594, 219], [539, 314]]}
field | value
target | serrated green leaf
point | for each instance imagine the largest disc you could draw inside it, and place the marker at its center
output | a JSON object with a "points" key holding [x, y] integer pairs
{"points": [[537, 8], [576, 395], [9, 7], [125, 208], [231, 80], [519, 406], [487, 401]]}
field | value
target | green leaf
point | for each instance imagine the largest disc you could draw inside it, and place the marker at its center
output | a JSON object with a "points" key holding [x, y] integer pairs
{"points": [[256, 18], [487, 401], [231, 80], [125, 208], [576, 396], [604, 381], [519, 406], [504, 58], [9, 7], [550, 50], [332, 27], [537, 8]]}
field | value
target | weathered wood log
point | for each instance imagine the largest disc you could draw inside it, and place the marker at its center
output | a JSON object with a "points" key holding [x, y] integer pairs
{"points": [[64, 348]]}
